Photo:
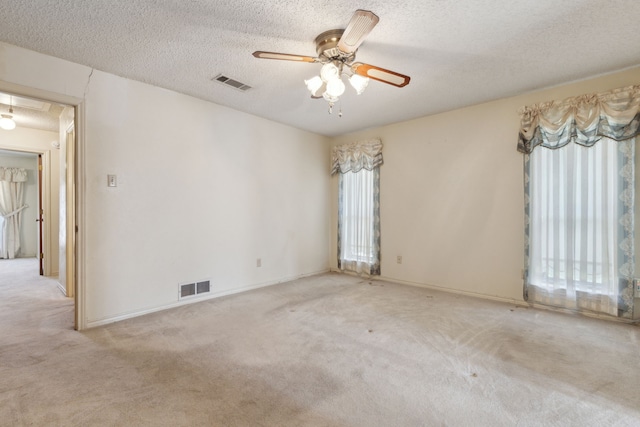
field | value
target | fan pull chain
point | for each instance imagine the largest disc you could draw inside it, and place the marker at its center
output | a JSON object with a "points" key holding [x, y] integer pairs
{"points": [[331, 109]]}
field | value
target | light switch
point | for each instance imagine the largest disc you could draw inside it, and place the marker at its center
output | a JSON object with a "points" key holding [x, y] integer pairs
{"points": [[112, 181]]}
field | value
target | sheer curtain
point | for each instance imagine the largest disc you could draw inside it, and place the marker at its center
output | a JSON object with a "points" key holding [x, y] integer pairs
{"points": [[11, 207], [359, 206], [574, 227], [579, 201]]}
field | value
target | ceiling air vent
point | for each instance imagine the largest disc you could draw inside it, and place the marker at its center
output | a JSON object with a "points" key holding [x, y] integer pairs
{"points": [[231, 82]]}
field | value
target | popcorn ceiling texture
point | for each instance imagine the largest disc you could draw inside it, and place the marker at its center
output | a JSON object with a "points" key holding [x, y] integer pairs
{"points": [[33, 119], [457, 53]]}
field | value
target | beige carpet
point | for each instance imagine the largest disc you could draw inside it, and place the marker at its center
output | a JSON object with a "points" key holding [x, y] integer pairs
{"points": [[330, 350]]}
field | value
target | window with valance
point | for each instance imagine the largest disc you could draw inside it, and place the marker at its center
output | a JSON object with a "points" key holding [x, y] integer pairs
{"points": [[358, 168], [579, 164]]}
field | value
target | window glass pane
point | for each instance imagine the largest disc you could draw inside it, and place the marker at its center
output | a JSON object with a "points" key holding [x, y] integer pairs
{"points": [[574, 212]]}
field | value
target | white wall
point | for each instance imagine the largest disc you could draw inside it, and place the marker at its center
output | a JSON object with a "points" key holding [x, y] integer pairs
{"points": [[39, 141], [203, 191], [29, 230], [452, 194], [65, 198]]}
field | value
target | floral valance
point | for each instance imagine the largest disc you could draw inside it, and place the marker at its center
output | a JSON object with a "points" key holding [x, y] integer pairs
{"points": [[13, 174], [582, 119], [356, 156]]}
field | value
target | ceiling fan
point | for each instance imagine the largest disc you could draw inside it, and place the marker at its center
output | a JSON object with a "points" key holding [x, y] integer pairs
{"points": [[336, 50]]}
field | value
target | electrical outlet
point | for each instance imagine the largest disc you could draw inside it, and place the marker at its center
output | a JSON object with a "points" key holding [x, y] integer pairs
{"points": [[259, 262], [112, 181], [399, 259], [637, 283]]}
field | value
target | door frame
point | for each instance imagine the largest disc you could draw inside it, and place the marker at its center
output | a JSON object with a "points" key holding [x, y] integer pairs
{"points": [[40, 215], [75, 248]]}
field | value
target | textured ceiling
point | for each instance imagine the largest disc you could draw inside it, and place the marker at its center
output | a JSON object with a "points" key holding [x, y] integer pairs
{"points": [[30, 114], [457, 52]]}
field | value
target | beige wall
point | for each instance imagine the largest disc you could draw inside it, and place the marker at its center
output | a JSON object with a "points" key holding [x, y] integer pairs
{"points": [[452, 194], [203, 190]]}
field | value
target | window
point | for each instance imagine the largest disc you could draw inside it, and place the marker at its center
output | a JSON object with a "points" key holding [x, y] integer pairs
{"points": [[358, 168], [579, 157], [358, 211], [576, 206]]}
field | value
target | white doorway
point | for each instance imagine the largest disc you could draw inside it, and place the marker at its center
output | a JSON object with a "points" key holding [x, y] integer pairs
{"points": [[46, 128]]}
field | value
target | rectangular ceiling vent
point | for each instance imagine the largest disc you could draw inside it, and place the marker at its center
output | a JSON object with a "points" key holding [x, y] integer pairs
{"points": [[231, 82], [188, 290]]}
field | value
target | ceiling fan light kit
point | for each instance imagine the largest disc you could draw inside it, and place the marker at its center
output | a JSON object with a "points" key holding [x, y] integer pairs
{"points": [[336, 50]]}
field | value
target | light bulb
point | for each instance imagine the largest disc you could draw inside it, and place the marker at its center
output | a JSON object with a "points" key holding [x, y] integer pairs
{"points": [[329, 72], [7, 123], [313, 84], [359, 82], [335, 87]]}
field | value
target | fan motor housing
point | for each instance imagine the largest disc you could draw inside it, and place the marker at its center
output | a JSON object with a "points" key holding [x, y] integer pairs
{"points": [[327, 44]]}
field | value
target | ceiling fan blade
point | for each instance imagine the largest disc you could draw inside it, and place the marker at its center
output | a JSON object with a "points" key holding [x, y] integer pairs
{"points": [[283, 56], [380, 74], [361, 24]]}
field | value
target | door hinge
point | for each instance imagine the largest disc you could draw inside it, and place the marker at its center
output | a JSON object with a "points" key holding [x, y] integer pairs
{"points": [[41, 255], [76, 228], [39, 167]]}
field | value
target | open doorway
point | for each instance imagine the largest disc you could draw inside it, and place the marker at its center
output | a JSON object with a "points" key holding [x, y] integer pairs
{"points": [[45, 130], [19, 205]]}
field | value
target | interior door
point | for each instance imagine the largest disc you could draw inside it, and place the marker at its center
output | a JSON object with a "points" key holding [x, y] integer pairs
{"points": [[40, 217]]}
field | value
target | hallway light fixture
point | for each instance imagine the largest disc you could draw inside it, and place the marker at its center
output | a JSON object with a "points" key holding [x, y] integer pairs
{"points": [[7, 122]]}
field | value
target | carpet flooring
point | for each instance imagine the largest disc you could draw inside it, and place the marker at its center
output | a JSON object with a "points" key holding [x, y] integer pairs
{"points": [[328, 350]]}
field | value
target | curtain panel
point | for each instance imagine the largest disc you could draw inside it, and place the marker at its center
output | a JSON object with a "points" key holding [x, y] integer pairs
{"points": [[579, 227], [13, 174], [582, 119], [11, 206], [613, 117], [358, 205]]}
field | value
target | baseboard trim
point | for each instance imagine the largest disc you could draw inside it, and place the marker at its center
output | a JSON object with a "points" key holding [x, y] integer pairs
{"points": [[62, 289], [601, 316], [519, 303], [113, 319]]}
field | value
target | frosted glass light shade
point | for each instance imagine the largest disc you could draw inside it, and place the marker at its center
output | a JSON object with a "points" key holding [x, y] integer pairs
{"points": [[335, 88], [7, 123], [313, 84], [359, 82], [329, 72]]}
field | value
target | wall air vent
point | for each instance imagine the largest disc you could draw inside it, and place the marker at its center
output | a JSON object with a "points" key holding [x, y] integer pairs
{"points": [[231, 82], [187, 290]]}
